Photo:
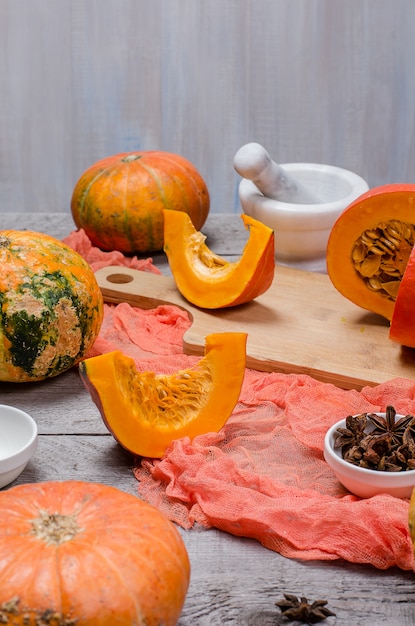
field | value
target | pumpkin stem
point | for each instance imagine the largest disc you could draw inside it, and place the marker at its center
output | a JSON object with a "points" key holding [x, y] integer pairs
{"points": [[131, 157], [54, 528], [4, 242]]}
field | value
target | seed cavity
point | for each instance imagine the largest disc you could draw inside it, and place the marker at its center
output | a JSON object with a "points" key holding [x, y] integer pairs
{"points": [[380, 256]]}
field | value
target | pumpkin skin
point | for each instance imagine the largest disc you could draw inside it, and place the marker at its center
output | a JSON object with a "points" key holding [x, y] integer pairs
{"points": [[402, 328], [411, 517], [146, 412], [209, 281], [51, 307], [85, 554], [119, 200], [387, 204]]}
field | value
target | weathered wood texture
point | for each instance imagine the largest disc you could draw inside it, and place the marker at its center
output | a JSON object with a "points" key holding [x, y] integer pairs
{"points": [[235, 581], [322, 81]]}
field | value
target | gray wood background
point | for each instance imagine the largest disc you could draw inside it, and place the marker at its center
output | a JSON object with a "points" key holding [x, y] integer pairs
{"points": [[326, 81]]}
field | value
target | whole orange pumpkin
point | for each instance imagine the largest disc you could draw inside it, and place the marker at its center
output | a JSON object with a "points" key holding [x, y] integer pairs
{"points": [[75, 553], [119, 200]]}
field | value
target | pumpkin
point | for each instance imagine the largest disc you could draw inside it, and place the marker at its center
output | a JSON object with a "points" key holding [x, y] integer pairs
{"points": [[51, 307], [411, 517], [85, 554], [369, 247], [146, 412], [119, 200], [206, 279], [402, 327]]}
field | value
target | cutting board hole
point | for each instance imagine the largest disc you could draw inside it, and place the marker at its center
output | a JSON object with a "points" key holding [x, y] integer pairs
{"points": [[119, 278]]}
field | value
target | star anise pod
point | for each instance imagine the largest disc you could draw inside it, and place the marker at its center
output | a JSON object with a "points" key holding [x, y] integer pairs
{"points": [[293, 608], [389, 446], [387, 424], [353, 434], [377, 449]]}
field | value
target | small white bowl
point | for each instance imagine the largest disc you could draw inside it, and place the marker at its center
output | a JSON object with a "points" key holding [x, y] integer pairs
{"points": [[363, 482], [18, 442], [302, 230]]}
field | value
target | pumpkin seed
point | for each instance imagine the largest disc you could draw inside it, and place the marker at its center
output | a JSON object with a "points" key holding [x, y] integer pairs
{"points": [[391, 288], [380, 256], [370, 266], [374, 283]]}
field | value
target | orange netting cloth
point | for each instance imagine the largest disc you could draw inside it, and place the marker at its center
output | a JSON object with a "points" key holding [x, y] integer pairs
{"points": [[263, 475]]}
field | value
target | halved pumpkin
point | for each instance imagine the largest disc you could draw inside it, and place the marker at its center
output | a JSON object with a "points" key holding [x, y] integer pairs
{"points": [[145, 412], [402, 328], [206, 279], [411, 518], [369, 247]]}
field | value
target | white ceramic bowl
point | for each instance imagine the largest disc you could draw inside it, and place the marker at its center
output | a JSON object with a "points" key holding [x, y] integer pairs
{"points": [[18, 442], [302, 230], [363, 482]]}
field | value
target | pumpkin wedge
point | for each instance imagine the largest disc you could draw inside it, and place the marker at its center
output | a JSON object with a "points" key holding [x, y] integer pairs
{"points": [[369, 247], [402, 328], [206, 279], [145, 411], [411, 517]]}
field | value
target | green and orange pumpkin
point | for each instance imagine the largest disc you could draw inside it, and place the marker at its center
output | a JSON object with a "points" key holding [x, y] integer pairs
{"points": [[119, 200], [51, 307]]}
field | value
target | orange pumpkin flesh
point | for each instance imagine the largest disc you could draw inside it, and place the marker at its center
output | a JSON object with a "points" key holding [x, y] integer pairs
{"points": [[119, 200], [375, 234], [145, 411], [209, 281], [402, 328], [51, 307], [83, 554], [411, 517]]}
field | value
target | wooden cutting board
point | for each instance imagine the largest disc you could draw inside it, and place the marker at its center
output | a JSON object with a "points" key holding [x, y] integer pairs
{"points": [[301, 325]]}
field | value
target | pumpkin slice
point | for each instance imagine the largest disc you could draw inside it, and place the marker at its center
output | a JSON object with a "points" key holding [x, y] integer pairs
{"points": [[402, 329], [411, 517], [145, 411], [369, 247], [206, 279]]}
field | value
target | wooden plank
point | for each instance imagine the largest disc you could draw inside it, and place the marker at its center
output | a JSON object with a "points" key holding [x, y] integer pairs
{"points": [[226, 235], [60, 405], [301, 325]]}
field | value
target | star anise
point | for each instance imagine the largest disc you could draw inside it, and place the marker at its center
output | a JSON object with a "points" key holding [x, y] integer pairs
{"points": [[387, 424], [390, 446], [353, 434], [300, 609]]}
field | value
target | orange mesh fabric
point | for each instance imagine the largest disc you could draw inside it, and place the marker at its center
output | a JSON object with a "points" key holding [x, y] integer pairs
{"points": [[263, 475], [80, 242]]}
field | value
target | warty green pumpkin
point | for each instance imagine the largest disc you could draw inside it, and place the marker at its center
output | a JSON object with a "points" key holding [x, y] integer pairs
{"points": [[51, 307]]}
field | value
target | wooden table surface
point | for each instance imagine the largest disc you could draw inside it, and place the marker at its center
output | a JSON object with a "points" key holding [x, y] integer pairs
{"points": [[234, 580]]}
